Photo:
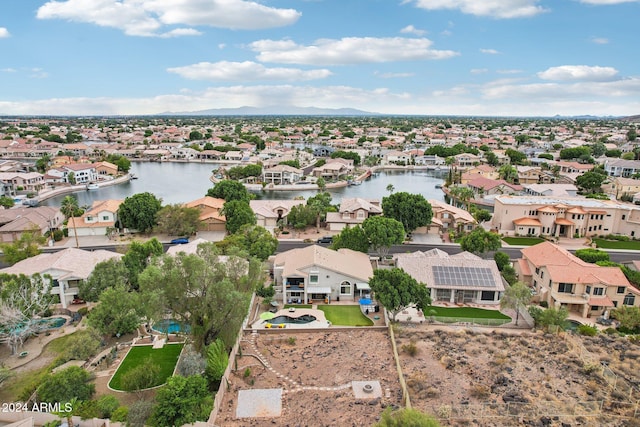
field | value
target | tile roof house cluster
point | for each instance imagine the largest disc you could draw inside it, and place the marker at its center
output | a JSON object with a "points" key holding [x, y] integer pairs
{"points": [[270, 212], [318, 273], [448, 217], [564, 216], [211, 218], [564, 280], [458, 279], [67, 269], [96, 221]]}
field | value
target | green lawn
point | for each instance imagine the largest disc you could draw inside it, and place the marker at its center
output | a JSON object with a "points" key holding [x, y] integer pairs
{"points": [[345, 315], [467, 314], [617, 244], [165, 357], [523, 241]]}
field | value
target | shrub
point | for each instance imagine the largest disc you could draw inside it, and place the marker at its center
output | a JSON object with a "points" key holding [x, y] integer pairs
{"points": [[120, 414], [58, 235], [592, 255], [107, 405], [587, 330], [266, 291], [83, 311], [411, 349], [544, 304], [247, 373], [292, 340]]}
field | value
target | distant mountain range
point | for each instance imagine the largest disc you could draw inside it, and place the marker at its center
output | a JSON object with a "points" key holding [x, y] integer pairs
{"points": [[276, 110]]}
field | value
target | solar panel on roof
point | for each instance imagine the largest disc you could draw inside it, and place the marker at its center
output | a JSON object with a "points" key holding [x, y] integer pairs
{"points": [[462, 276]]}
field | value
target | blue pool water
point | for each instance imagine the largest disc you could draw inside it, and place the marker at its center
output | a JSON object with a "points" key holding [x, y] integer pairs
{"points": [[43, 324], [171, 326], [305, 318]]}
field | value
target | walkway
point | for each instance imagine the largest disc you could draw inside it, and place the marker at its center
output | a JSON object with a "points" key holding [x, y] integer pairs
{"points": [[296, 386]]}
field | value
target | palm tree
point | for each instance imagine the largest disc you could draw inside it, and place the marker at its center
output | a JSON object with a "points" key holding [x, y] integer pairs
{"points": [[69, 207], [390, 188]]}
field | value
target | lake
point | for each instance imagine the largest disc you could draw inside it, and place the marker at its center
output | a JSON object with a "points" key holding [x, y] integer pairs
{"points": [[183, 182]]}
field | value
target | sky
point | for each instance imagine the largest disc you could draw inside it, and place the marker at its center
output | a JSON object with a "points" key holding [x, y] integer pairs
{"points": [[413, 57]]}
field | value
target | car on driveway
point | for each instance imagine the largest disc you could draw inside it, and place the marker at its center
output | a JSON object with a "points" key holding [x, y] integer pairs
{"points": [[325, 239], [180, 241]]}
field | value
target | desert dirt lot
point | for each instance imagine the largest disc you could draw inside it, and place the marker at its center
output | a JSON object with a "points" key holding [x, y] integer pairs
{"points": [[316, 359], [505, 379]]}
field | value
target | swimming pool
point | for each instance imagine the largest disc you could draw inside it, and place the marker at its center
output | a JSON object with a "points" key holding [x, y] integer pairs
{"points": [[44, 324], [305, 318], [171, 326], [572, 325]]}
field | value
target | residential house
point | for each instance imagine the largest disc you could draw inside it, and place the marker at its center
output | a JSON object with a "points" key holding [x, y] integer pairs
{"points": [[316, 273], [448, 217], [622, 187], [15, 221], [106, 169], [573, 167], [352, 211], [552, 190], [466, 160], [67, 268], [429, 160], [14, 183], [334, 169], [282, 175], [323, 151], [395, 157], [564, 216], [462, 278], [269, 213], [561, 279], [486, 187], [99, 220], [234, 155], [211, 218], [83, 173], [621, 167], [533, 175]]}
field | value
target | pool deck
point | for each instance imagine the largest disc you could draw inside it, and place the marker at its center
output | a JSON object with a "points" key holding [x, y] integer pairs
{"points": [[321, 321]]}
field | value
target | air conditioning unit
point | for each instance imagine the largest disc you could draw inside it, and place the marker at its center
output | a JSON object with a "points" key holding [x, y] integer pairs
{"points": [[585, 296]]}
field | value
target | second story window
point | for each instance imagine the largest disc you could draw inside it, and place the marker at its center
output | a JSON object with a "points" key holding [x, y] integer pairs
{"points": [[598, 291], [565, 288]]}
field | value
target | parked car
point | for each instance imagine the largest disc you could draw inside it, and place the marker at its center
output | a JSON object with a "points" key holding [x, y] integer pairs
{"points": [[180, 241], [325, 239]]}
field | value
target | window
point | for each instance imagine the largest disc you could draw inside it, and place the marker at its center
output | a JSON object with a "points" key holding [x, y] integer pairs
{"points": [[542, 274], [622, 289], [595, 308], [598, 291], [565, 288], [313, 278], [345, 288], [630, 299], [360, 214], [105, 218], [538, 270], [587, 289], [89, 218], [488, 296]]}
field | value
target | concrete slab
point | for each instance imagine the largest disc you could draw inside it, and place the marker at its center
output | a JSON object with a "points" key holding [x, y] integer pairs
{"points": [[366, 389], [259, 403]]}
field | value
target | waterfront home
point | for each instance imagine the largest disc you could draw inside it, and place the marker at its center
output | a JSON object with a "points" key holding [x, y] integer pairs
{"points": [[106, 169], [14, 182], [15, 221], [211, 218], [561, 279], [83, 173], [448, 217], [552, 190], [67, 268], [395, 157], [429, 160], [269, 213], [234, 155], [483, 170], [97, 220], [282, 175], [334, 169], [564, 216], [466, 160], [352, 211], [462, 278], [316, 273], [486, 187]]}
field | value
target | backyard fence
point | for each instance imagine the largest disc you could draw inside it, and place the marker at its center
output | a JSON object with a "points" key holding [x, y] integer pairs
{"points": [[466, 321]]}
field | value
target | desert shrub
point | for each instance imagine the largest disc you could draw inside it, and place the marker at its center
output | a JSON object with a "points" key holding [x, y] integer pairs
{"points": [[266, 291], [292, 340], [247, 373], [120, 414], [107, 405], [587, 330], [405, 417], [611, 331], [590, 368], [479, 391], [82, 345], [83, 311], [139, 412], [411, 349], [191, 362], [58, 235]]}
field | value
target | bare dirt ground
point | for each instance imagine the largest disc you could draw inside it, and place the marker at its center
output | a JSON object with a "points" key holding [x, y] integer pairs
{"points": [[316, 359], [506, 379]]}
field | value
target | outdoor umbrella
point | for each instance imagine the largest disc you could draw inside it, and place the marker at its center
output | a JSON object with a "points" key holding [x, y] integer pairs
{"points": [[267, 315]]}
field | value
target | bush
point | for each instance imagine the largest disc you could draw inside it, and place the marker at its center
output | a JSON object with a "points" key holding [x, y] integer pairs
{"points": [[120, 414], [58, 235], [411, 349], [592, 255], [83, 311], [107, 405], [587, 330], [544, 304], [266, 291], [138, 413]]}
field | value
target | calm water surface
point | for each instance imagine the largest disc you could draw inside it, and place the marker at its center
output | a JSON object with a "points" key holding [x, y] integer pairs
{"points": [[183, 182]]}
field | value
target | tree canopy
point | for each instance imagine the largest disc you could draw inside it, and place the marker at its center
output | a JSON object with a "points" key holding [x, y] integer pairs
{"points": [[480, 241], [66, 385], [396, 290], [26, 246], [353, 238], [105, 274], [238, 213], [229, 190], [138, 256], [183, 400], [590, 181], [177, 220], [255, 240], [382, 233], [138, 212], [118, 312], [412, 210]]}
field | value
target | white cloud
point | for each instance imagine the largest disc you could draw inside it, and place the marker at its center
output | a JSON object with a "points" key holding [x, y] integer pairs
{"points": [[148, 17], [245, 71], [479, 70], [599, 40], [579, 72], [9, 70], [534, 92], [394, 75], [410, 29], [38, 73], [350, 50], [489, 51], [504, 9], [4, 33]]}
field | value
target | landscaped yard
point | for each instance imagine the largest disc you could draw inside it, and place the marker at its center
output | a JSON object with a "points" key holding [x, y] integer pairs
{"points": [[523, 241], [617, 244], [297, 306], [467, 314], [345, 315], [165, 357]]}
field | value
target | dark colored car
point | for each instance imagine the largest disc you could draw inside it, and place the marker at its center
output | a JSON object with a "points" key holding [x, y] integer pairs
{"points": [[180, 241], [325, 239]]}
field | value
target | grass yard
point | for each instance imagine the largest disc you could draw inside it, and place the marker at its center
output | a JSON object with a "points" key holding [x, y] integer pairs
{"points": [[165, 357], [345, 315], [633, 245], [467, 314], [523, 241]]}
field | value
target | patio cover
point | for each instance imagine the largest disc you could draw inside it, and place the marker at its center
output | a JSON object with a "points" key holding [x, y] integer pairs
{"points": [[319, 290], [601, 302], [363, 286]]}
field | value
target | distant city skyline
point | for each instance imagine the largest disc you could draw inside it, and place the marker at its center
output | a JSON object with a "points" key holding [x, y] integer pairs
{"points": [[410, 57]]}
